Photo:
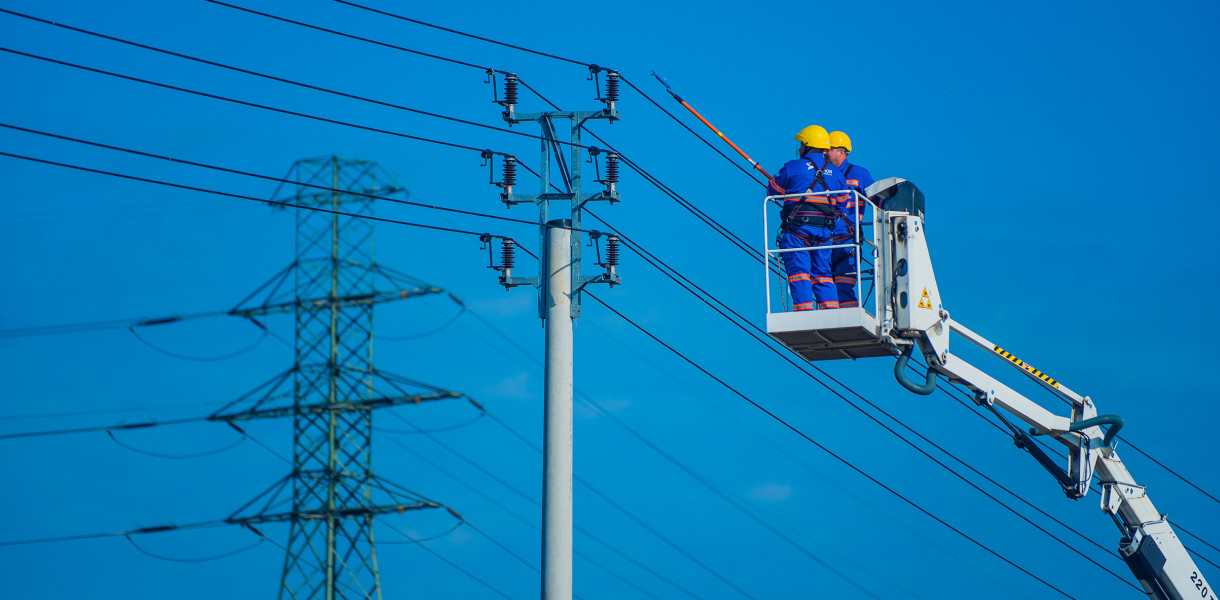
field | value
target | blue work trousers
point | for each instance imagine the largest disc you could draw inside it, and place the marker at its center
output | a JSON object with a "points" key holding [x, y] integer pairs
{"points": [[843, 265], [809, 274]]}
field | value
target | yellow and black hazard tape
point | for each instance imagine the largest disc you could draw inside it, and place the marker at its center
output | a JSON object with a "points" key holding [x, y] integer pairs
{"points": [[1024, 365]]}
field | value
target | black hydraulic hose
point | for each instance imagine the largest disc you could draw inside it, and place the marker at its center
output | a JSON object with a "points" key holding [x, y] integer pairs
{"points": [[900, 374], [1024, 442]]}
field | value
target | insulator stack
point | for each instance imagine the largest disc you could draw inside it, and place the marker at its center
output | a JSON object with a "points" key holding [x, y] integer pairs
{"points": [[611, 254], [510, 96], [611, 89], [611, 172], [508, 258], [510, 177]]}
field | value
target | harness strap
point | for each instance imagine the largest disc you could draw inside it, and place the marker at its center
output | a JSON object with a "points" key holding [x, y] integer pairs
{"points": [[819, 178]]}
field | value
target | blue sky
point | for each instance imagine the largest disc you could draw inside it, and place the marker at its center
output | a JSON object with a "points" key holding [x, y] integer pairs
{"points": [[1058, 147]]}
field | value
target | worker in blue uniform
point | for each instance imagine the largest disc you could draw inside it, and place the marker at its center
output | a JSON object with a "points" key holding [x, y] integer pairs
{"points": [[843, 261], [808, 221]]}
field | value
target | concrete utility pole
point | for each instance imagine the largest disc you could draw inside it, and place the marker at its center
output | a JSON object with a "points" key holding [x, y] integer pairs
{"points": [[557, 444], [560, 280]]}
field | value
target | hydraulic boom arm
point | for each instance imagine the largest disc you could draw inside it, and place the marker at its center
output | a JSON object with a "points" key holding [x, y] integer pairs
{"points": [[908, 316], [1148, 546]]}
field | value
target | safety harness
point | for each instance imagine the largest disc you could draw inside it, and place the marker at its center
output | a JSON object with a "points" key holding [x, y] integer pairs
{"points": [[820, 216]]}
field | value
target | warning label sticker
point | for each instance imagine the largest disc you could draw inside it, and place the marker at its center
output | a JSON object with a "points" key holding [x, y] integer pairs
{"points": [[925, 301]]}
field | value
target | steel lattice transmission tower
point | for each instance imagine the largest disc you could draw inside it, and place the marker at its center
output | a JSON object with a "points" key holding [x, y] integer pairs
{"points": [[333, 386]]}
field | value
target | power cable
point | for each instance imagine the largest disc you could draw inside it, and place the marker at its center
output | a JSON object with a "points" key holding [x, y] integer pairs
{"points": [[110, 324], [720, 229], [192, 560], [138, 531], [275, 179], [243, 102], [162, 182], [242, 196], [692, 131], [416, 336], [539, 53], [175, 456], [732, 502], [631, 516], [140, 425], [585, 398], [456, 566], [515, 132], [267, 177], [284, 110], [357, 38], [712, 223], [411, 540], [467, 423], [533, 501], [630, 245], [846, 462], [454, 31], [199, 358], [1205, 542], [1171, 471], [100, 411], [260, 443], [448, 473], [506, 549], [687, 285]]}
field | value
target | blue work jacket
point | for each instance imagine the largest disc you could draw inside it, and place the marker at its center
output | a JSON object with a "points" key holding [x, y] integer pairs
{"points": [[857, 178], [798, 175]]}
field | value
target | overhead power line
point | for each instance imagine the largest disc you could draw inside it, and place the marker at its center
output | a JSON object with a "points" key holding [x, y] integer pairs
{"points": [[528, 498], [641, 92], [96, 428], [449, 473], [249, 104], [823, 448], [286, 111], [110, 324], [141, 550], [488, 69], [138, 531], [242, 196], [234, 171], [688, 285], [534, 361], [652, 179], [358, 38], [263, 75], [637, 89], [461, 33]]}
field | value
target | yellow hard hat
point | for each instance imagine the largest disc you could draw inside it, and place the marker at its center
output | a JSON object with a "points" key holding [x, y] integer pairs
{"points": [[814, 136], [838, 139]]}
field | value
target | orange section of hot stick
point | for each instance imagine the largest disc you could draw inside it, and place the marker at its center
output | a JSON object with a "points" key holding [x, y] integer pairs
{"points": [[710, 126]]}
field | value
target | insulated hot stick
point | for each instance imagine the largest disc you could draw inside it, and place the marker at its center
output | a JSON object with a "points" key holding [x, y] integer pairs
{"points": [[710, 126]]}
